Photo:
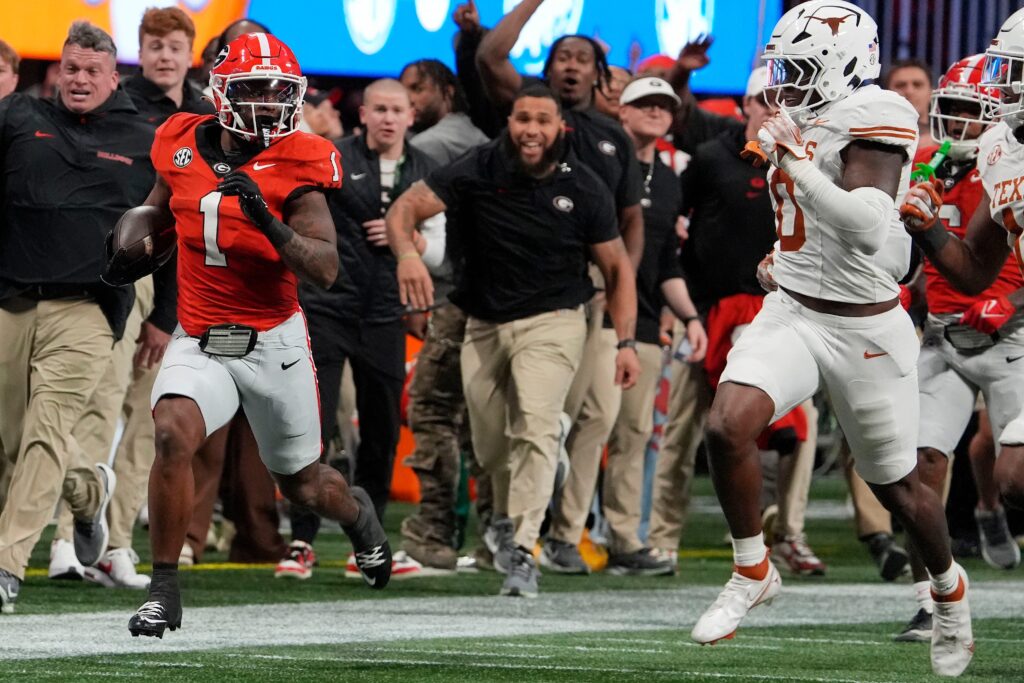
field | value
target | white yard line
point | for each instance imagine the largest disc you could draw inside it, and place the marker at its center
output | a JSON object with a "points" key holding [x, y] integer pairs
{"points": [[376, 621]]}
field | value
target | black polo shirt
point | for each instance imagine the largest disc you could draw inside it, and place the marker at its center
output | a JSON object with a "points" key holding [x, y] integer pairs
{"points": [[662, 205], [603, 145], [524, 242], [156, 107], [65, 179], [732, 226]]}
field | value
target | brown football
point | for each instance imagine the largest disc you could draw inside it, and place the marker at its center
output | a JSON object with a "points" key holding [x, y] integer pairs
{"points": [[142, 241]]}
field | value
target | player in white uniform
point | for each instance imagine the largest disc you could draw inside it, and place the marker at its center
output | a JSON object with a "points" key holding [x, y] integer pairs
{"points": [[840, 152], [996, 228]]}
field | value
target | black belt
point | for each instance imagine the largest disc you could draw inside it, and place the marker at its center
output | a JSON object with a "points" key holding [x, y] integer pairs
{"points": [[56, 291]]}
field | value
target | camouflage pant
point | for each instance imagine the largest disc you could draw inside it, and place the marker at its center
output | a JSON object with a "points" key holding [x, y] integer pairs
{"points": [[437, 417]]}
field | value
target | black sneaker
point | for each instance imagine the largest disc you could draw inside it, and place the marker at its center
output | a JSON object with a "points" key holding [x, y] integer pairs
{"points": [[563, 558], [643, 562], [369, 543], [919, 630], [892, 560], [10, 586], [160, 612]]}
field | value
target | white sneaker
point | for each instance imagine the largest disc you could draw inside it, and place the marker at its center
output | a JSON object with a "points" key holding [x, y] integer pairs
{"points": [[64, 563], [952, 640], [739, 597], [187, 556], [116, 569]]}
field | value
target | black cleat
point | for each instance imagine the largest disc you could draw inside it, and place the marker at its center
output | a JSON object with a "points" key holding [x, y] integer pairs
{"points": [[369, 543], [155, 616]]}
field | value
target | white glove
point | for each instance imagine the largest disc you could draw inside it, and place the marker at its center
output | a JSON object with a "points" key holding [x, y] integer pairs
{"points": [[765, 277], [921, 205], [779, 135]]}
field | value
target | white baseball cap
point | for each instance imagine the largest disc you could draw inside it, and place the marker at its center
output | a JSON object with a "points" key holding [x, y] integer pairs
{"points": [[647, 87], [758, 81]]}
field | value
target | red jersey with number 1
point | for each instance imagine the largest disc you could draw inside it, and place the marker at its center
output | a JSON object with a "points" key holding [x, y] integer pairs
{"points": [[958, 205], [228, 272]]}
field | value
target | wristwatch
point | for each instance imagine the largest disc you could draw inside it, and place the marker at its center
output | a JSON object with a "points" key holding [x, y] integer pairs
{"points": [[626, 344]]}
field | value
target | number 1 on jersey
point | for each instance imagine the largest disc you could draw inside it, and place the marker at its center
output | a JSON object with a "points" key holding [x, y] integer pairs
{"points": [[209, 206], [789, 217]]}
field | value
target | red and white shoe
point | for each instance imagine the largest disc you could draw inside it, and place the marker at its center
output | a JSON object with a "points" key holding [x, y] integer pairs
{"points": [[298, 563], [794, 553], [402, 567], [116, 569], [952, 639], [741, 594]]}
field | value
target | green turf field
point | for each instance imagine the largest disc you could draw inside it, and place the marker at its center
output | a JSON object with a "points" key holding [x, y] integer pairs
{"points": [[242, 624]]}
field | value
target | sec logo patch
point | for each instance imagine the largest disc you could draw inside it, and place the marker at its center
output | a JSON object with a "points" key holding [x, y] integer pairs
{"points": [[183, 157]]}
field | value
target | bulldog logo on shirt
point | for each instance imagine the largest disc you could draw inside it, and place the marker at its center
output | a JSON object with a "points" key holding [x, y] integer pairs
{"points": [[564, 204]]}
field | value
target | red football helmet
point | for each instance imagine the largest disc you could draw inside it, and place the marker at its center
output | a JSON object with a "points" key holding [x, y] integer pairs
{"points": [[958, 96], [258, 88]]}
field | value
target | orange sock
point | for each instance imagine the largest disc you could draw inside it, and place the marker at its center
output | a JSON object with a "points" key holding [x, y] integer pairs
{"points": [[757, 572]]}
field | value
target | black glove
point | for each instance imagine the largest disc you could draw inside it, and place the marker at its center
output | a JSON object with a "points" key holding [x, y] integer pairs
{"points": [[239, 184]]}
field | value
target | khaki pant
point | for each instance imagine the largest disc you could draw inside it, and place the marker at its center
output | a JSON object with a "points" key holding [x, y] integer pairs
{"points": [[794, 479], [689, 401], [94, 432], [516, 376], [52, 356], [624, 473], [593, 423]]}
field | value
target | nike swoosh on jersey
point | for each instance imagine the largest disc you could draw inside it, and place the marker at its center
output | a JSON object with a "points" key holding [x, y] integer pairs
{"points": [[286, 366], [357, 176], [1013, 359], [41, 134], [875, 355], [259, 167]]}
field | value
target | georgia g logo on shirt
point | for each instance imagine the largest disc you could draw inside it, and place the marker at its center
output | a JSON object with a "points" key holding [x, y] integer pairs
{"points": [[563, 203]]}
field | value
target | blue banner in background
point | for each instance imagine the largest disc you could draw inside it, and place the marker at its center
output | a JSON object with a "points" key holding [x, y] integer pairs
{"points": [[378, 37]]}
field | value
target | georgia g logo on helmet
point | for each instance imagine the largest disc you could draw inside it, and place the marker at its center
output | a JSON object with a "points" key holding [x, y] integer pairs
{"points": [[258, 88]]}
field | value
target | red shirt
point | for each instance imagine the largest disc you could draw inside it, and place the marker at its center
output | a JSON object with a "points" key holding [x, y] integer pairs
{"points": [[228, 272], [958, 205]]}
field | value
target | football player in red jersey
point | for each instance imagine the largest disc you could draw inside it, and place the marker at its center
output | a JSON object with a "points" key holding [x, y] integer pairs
{"points": [[959, 355], [245, 189]]}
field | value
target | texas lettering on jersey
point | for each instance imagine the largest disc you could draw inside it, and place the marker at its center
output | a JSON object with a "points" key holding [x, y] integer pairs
{"points": [[959, 202], [1000, 160], [228, 272]]}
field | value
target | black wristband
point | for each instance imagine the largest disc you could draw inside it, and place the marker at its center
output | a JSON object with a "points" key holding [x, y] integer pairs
{"points": [[932, 239], [626, 344], [278, 233], [689, 319]]}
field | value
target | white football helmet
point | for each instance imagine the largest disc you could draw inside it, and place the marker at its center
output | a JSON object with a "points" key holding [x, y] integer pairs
{"points": [[825, 49], [1004, 68]]}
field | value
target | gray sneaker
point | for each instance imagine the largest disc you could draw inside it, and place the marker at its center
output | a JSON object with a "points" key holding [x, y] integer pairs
{"points": [[523, 575], [499, 539], [918, 630], [643, 562], [10, 586], [91, 535], [563, 558], [998, 547], [892, 560]]}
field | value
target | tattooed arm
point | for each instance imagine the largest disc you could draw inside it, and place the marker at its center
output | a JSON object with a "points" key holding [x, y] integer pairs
{"points": [[311, 252], [306, 242]]}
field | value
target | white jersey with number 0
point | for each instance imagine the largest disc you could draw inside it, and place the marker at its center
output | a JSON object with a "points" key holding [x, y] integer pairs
{"points": [[813, 257]]}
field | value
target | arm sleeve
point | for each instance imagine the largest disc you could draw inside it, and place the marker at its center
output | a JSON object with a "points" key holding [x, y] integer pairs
{"points": [[863, 215], [433, 231]]}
